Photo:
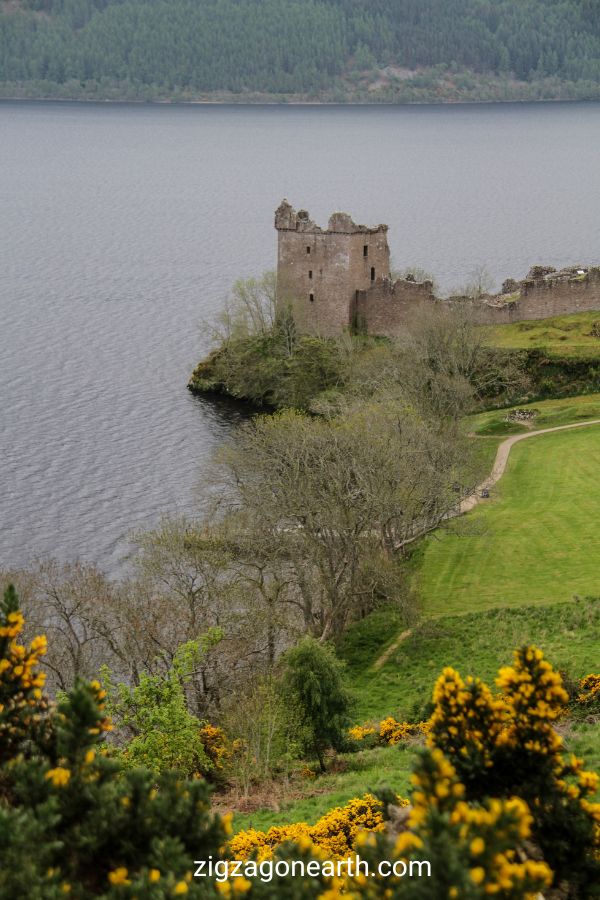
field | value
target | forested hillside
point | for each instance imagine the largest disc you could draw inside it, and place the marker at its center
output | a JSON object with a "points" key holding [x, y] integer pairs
{"points": [[384, 49]]}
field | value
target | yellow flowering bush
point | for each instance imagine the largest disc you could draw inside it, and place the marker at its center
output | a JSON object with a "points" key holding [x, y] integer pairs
{"points": [[589, 691], [334, 834], [506, 745], [218, 749], [360, 732], [21, 682], [388, 731], [472, 847], [497, 809], [393, 732]]}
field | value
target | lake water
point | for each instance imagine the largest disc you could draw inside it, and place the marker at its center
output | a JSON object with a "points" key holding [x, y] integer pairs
{"points": [[123, 227]]}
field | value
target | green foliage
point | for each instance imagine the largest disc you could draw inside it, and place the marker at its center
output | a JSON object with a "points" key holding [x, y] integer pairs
{"points": [[144, 48], [73, 821], [506, 746], [166, 735], [313, 684], [268, 370]]}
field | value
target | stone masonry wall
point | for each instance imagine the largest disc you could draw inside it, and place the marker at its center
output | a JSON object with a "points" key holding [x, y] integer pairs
{"points": [[385, 308], [546, 295]]}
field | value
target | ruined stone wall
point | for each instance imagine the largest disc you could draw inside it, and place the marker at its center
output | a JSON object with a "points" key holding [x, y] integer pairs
{"points": [[385, 308], [545, 296]]}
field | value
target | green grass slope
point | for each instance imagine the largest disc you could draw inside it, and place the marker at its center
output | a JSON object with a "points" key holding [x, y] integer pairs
{"points": [[562, 336], [476, 643], [535, 541], [548, 414]]}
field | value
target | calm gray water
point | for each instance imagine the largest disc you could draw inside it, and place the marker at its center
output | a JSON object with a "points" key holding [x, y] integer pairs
{"points": [[122, 228]]}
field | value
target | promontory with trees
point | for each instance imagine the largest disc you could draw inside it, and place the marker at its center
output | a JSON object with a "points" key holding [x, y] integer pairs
{"points": [[282, 657], [328, 50]]}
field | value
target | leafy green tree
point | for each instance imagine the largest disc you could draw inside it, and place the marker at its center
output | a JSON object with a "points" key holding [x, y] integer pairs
{"points": [[166, 735], [313, 684]]}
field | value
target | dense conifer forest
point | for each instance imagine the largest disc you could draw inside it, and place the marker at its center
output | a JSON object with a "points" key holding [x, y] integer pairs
{"points": [[390, 50]]}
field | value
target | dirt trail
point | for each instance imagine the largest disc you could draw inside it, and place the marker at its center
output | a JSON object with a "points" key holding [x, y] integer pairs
{"points": [[475, 498], [381, 660]]}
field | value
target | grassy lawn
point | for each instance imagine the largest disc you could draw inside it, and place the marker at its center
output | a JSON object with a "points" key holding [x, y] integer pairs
{"points": [[535, 541], [475, 644], [549, 413], [584, 740], [561, 336]]}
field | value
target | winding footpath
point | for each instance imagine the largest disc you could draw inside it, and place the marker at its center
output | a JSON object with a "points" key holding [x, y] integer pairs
{"points": [[469, 503], [502, 458]]}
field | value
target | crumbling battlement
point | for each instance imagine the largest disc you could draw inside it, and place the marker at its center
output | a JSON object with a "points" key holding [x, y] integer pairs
{"points": [[384, 308], [287, 219], [339, 278]]}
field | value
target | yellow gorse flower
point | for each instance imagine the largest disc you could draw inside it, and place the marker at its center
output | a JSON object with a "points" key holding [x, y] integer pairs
{"points": [[119, 876], [58, 776], [389, 731]]}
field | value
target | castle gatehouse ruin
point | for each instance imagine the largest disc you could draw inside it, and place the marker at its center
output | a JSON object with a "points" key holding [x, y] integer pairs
{"points": [[339, 278]]}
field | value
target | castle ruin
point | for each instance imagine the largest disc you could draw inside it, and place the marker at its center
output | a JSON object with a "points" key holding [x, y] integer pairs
{"points": [[339, 279]]}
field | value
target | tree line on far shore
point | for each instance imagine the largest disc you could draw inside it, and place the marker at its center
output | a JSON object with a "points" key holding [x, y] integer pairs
{"points": [[290, 46]]}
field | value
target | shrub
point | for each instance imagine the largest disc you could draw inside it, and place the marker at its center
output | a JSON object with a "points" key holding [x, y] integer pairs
{"points": [[589, 692], [472, 847], [393, 732], [389, 731], [496, 808], [335, 833], [165, 734]]}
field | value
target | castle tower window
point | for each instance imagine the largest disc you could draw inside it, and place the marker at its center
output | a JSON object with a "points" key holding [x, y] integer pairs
{"points": [[366, 250], [310, 273], [372, 273], [308, 250], [311, 297]]}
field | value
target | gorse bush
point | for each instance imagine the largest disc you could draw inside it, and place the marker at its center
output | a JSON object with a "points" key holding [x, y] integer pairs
{"points": [[74, 822], [589, 692], [335, 833], [388, 731], [504, 746]]}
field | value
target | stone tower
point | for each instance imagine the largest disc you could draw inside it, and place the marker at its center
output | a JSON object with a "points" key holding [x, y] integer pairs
{"points": [[320, 274]]}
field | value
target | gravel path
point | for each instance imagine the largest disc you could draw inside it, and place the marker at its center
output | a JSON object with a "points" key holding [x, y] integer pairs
{"points": [[502, 458]]}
